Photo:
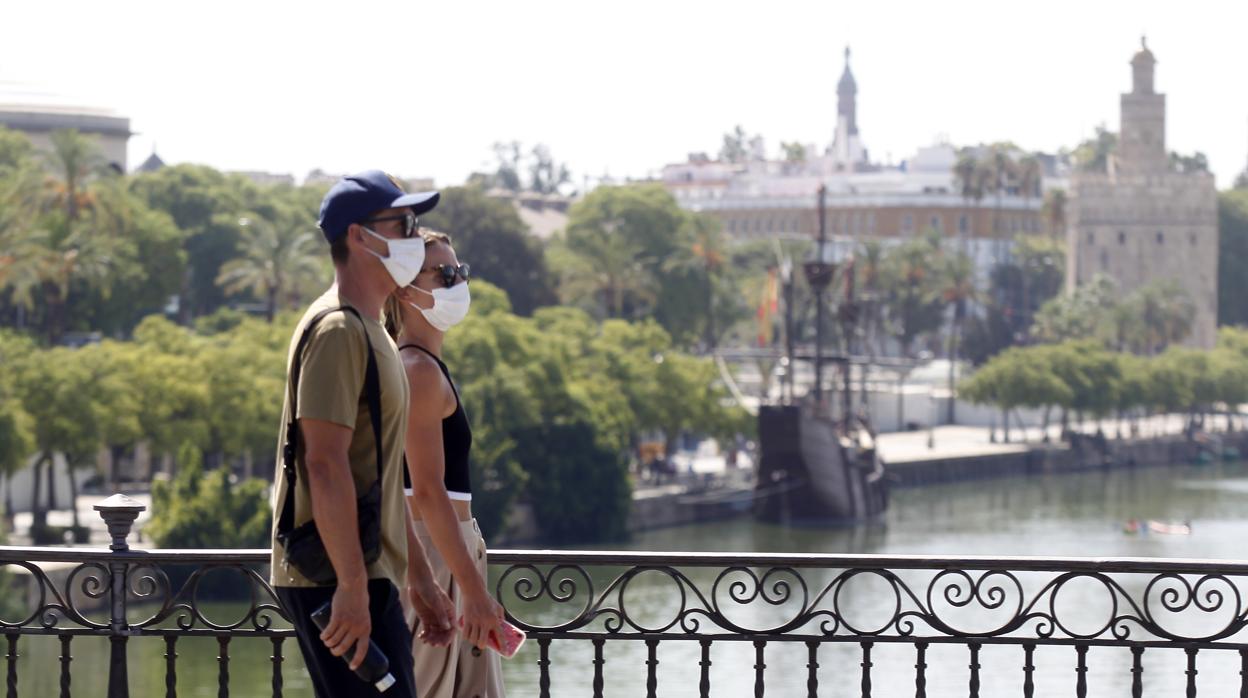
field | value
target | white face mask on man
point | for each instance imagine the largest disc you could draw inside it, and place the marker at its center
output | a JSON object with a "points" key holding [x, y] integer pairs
{"points": [[450, 306], [406, 257]]}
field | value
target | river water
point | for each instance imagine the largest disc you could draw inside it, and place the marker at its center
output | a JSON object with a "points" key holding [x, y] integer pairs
{"points": [[1067, 515]]}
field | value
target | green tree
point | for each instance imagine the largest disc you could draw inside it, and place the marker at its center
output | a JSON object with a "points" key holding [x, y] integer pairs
{"points": [[1197, 162], [206, 205], [1017, 377], [200, 509], [276, 260], [169, 387], [699, 269], [1091, 372], [62, 392], [24, 241], [243, 371], [1054, 209], [911, 283], [562, 401], [579, 486], [15, 149], [735, 148], [1084, 314], [546, 175], [1093, 155], [611, 254], [1232, 256], [16, 428], [794, 153], [145, 272], [1164, 312], [957, 288]]}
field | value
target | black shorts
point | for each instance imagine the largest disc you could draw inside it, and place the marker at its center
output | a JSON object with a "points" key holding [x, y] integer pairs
{"points": [[331, 676]]}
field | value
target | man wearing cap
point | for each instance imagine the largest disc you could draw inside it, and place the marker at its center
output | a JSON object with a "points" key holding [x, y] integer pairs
{"points": [[335, 457]]}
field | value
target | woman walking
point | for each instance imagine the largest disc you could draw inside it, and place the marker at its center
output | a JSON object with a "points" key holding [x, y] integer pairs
{"points": [[439, 438]]}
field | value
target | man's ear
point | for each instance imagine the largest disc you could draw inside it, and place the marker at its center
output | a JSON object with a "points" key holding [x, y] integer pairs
{"points": [[354, 235]]}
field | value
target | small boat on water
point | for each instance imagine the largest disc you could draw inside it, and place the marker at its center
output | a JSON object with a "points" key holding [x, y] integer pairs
{"points": [[1136, 527]]}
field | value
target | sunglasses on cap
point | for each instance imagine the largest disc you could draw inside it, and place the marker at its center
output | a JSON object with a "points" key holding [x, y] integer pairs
{"points": [[409, 219], [449, 272]]}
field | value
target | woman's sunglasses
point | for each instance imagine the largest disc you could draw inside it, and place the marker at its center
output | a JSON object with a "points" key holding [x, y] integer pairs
{"points": [[449, 272]]}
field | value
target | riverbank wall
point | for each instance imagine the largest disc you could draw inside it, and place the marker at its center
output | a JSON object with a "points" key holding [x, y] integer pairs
{"points": [[1083, 454], [684, 503]]}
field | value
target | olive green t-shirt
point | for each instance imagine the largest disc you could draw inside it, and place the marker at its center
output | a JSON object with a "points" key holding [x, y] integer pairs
{"points": [[331, 389]]}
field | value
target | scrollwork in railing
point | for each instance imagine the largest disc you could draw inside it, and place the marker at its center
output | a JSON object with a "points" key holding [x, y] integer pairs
{"points": [[812, 598], [940, 601], [81, 600]]}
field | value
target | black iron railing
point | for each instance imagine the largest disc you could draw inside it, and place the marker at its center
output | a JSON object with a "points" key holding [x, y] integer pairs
{"points": [[878, 622]]}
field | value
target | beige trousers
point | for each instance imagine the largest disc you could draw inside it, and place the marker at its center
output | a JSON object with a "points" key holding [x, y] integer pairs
{"points": [[459, 670]]}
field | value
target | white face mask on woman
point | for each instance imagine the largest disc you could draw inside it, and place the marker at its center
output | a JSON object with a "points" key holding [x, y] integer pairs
{"points": [[406, 258], [450, 306]]}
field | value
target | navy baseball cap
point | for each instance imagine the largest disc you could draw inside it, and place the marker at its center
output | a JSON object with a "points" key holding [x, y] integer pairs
{"points": [[356, 196]]}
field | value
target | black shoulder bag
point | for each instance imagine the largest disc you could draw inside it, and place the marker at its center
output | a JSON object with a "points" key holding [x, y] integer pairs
{"points": [[303, 547]]}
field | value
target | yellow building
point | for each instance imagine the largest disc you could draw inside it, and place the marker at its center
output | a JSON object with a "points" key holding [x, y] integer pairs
{"points": [[1141, 221]]}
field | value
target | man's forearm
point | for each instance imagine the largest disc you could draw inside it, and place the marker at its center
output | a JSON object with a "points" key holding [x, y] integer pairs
{"points": [[332, 491]]}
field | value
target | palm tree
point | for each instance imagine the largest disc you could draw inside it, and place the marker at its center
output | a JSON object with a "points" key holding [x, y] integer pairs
{"points": [[971, 177], [1030, 176], [705, 254], [23, 242], [1002, 170], [869, 259], [957, 289], [273, 262], [60, 230], [74, 158], [1055, 212], [911, 279], [602, 262]]}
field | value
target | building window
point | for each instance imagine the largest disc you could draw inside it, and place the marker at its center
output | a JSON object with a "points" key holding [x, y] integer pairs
{"points": [[871, 222], [1192, 237], [1091, 238], [1104, 260], [1161, 238], [964, 224], [1122, 238], [907, 223], [935, 223]]}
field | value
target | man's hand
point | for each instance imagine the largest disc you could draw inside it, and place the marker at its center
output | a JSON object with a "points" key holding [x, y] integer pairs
{"points": [[349, 623], [435, 613]]}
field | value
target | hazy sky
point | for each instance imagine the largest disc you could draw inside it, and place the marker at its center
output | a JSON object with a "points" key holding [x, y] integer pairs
{"points": [[424, 88]]}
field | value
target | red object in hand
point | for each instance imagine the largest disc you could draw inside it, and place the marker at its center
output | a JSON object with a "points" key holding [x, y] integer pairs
{"points": [[506, 639]]}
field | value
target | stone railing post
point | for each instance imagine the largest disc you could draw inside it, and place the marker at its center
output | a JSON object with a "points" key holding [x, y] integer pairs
{"points": [[119, 513]]}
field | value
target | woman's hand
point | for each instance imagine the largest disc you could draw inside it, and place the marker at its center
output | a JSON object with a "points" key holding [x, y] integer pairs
{"points": [[482, 615]]}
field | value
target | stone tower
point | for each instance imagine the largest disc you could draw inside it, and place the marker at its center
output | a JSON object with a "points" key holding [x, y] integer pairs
{"points": [[847, 151], [1140, 221]]}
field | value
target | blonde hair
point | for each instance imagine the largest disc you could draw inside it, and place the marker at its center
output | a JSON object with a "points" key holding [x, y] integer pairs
{"points": [[394, 307], [432, 237]]}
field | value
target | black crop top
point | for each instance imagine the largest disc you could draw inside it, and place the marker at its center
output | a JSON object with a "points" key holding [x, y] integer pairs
{"points": [[456, 441]]}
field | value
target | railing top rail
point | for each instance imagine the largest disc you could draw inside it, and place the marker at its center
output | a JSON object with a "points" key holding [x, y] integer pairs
{"points": [[685, 559]]}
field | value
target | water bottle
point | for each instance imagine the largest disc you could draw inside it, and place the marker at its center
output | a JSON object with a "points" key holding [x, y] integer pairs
{"points": [[375, 668]]}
